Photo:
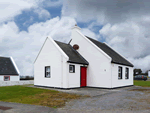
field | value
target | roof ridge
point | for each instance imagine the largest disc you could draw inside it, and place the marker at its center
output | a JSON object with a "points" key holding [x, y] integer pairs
{"points": [[4, 57]]}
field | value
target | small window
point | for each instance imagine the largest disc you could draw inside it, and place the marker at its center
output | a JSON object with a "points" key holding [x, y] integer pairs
{"points": [[72, 68], [6, 78], [47, 72], [127, 73], [119, 72]]}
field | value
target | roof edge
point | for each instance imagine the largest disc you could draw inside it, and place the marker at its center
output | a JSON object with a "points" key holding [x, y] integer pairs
{"points": [[15, 65], [4, 57], [122, 64], [119, 54], [40, 50], [57, 46], [77, 62], [95, 46]]}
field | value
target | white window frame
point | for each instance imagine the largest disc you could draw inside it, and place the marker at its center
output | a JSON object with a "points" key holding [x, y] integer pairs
{"points": [[72, 70], [47, 71]]}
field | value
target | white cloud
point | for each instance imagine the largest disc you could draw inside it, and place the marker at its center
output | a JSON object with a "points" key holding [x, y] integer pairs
{"points": [[89, 33], [10, 8], [143, 63], [112, 11], [24, 46], [125, 25], [43, 14]]}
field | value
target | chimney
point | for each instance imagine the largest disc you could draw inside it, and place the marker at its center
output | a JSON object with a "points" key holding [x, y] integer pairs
{"points": [[74, 36], [76, 28]]}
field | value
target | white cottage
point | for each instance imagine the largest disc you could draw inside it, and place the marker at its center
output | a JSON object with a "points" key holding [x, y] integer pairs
{"points": [[8, 69], [83, 62], [148, 73]]}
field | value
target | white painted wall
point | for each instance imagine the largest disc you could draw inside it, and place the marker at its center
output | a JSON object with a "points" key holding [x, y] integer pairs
{"points": [[99, 69], [1, 78], [121, 82], [51, 55], [12, 78], [74, 78], [148, 73]]}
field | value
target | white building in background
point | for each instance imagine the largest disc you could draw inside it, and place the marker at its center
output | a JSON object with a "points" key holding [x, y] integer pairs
{"points": [[149, 73], [8, 69], [83, 62]]}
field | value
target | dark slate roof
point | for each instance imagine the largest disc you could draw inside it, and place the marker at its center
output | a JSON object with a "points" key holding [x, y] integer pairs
{"points": [[116, 58], [74, 56], [7, 67]]}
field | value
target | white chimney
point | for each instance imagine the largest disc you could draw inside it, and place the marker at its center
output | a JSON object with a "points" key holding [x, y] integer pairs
{"points": [[74, 31], [75, 37], [76, 28]]}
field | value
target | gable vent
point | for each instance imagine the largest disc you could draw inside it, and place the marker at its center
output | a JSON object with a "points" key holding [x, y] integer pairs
{"points": [[76, 47]]}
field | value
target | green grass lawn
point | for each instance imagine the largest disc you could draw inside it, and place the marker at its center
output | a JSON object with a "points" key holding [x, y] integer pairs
{"points": [[142, 83], [35, 96]]}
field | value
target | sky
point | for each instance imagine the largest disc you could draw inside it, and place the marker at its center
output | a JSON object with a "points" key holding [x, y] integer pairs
{"points": [[122, 24]]}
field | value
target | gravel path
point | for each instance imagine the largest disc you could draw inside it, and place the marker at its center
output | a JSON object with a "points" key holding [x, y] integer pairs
{"points": [[118, 101]]}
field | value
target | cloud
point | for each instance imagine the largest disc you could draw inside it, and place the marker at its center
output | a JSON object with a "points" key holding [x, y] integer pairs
{"points": [[24, 46], [89, 33], [112, 11], [10, 8], [143, 63], [43, 14], [125, 25], [52, 3]]}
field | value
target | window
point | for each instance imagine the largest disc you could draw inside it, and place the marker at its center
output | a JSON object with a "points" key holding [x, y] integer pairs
{"points": [[6, 78], [119, 72], [47, 72], [127, 73], [72, 68]]}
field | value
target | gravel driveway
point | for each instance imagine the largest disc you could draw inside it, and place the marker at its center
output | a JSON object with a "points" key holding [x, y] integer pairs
{"points": [[123, 100]]}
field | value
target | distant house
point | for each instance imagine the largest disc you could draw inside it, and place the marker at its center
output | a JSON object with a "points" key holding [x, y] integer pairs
{"points": [[149, 73], [83, 62], [8, 69]]}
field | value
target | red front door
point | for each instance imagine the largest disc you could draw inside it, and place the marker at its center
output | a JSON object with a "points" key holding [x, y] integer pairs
{"points": [[83, 76]]}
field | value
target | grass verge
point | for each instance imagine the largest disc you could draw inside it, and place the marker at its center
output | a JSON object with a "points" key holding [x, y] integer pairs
{"points": [[36, 96], [142, 83]]}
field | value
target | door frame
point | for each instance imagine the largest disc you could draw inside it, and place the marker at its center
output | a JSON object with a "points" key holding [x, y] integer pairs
{"points": [[80, 75]]}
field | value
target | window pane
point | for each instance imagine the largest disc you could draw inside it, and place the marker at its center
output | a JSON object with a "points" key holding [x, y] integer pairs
{"points": [[6, 78], [127, 73], [48, 69], [72, 68], [120, 72], [47, 72]]}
